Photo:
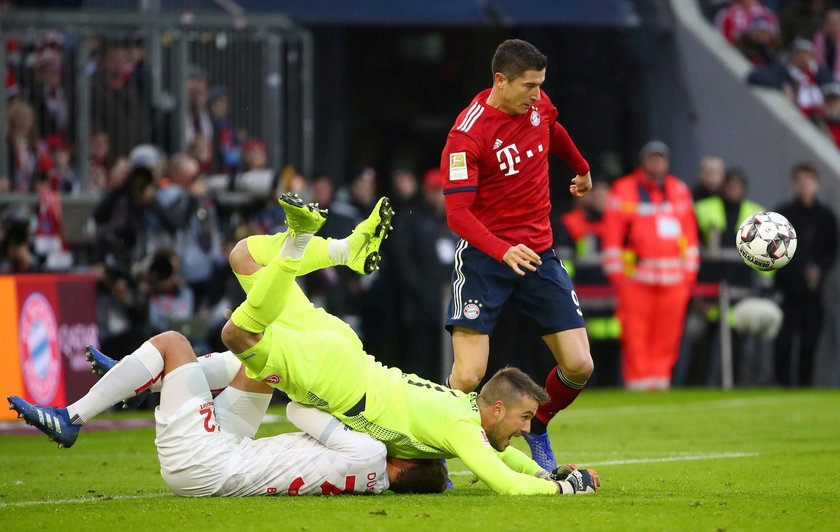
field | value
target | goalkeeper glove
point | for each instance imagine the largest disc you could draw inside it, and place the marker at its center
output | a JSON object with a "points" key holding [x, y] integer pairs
{"points": [[582, 481]]}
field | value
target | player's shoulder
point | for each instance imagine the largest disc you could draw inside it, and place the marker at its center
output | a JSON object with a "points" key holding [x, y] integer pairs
{"points": [[470, 120]]}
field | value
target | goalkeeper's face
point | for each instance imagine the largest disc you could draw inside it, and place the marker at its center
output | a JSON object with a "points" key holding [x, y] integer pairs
{"points": [[509, 420]]}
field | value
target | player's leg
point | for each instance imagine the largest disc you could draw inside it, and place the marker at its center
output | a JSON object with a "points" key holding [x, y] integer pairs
{"points": [[240, 408], [247, 333], [132, 375], [358, 251], [574, 366], [471, 351], [548, 298], [193, 451], [480, 286]]}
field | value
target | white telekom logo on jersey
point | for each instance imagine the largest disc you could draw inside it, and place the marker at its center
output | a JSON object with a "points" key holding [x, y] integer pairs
{"points": [[510, 154]]}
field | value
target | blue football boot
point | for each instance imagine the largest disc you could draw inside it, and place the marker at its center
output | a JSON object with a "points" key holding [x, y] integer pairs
{"points": [[52, 421], [541, 450], [100, 363]]}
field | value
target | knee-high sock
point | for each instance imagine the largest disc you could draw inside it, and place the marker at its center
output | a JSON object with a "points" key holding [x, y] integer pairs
{"points": [[562, 392], [130, 376], [218, 368], [267, 297]]}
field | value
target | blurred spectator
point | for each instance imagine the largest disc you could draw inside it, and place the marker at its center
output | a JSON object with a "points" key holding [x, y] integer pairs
{"points": [[51, 103], [801, 282], [800, 18], [16, 255], [120, 217], [718, 217], [62, 177], [29, 156], [409, 290], [118, 108], [199, 121], [324, 286], [253, 155], [200, 148], [13, 62], [831, 114], [760, 42], [170, 300], [709, 177], [578, 242], [226, 154], [121, 311], [99, 148], [735, 19], [827, 42], [651, 258], [49, 241], [192, 228], [799, 76], [360, 195]]}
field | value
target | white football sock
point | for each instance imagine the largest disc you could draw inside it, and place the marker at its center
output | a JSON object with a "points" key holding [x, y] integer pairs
{"points": [[294, 246], [339, 251], [130, 376]]}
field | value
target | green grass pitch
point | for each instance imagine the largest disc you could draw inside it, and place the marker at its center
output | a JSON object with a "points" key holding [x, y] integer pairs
{"points": [[682, 460]]}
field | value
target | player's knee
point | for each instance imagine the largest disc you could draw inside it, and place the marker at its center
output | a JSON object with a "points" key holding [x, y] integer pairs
{"points": [[579, 368], [170, 341], [240, 258], [236, 339], [465, 380]]}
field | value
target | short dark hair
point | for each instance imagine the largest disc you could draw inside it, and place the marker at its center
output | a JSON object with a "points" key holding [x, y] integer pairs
{"points": [[428, 476], [514, 56], [806, 168], [508, 385]]}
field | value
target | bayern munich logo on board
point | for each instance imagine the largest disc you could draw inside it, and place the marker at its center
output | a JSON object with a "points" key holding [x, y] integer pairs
{"points": [[39, 353], [272, 379], [535, 118]]}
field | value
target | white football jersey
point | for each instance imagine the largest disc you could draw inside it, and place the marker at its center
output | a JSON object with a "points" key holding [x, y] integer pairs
{"points": [[298, 464], [199, 458]]}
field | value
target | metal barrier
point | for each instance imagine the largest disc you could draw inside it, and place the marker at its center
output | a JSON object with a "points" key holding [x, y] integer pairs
{"points": [[140, 77]]}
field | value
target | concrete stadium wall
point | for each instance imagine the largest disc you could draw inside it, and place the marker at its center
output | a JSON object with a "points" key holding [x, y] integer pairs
{"points": [[758, 130]]}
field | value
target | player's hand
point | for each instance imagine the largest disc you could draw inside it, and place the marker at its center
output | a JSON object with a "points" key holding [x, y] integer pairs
{"points": [[581, 185], [583, 481], [521, 255], [563, 471]]}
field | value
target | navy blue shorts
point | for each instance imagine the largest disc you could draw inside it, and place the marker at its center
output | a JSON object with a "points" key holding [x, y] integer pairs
{"points": [[481, 285]]}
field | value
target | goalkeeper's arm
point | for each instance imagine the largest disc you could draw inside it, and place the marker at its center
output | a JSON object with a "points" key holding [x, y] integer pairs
{"points": [[470, 444]]}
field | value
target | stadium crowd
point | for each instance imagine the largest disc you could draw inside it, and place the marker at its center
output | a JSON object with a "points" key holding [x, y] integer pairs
{"points": [[164, 224]]}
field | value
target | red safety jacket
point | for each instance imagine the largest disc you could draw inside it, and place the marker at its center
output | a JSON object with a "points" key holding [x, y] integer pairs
{"points": [[651, 232]]}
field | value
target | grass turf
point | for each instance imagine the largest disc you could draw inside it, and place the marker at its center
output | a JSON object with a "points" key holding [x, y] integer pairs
{"points": [[682, 460]]}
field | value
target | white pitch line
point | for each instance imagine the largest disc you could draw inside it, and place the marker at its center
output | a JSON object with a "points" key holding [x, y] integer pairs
{"points": [[451, 473], [84, 499], [650, 460]]}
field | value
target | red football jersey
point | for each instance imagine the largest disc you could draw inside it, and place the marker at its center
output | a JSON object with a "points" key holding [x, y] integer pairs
{"points": [[495, 174]]}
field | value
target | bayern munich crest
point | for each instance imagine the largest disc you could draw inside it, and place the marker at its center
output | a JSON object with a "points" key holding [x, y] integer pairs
{"points": [[472, 309], [39, 353], [272, 379], [535, 118]]}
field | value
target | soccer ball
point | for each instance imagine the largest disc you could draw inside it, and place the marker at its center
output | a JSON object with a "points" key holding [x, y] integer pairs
{"points": [[766, 241]]}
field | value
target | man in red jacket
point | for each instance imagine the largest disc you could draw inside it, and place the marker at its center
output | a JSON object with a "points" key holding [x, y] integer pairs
{"points": [[495, 173], [651, 258]]}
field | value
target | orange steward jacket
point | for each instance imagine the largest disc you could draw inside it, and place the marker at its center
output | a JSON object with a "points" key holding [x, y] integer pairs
{"points": [[650, 233]]}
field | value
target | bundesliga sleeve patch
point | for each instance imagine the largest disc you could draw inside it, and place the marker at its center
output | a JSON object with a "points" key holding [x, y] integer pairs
{"points": [[458, 166]]}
